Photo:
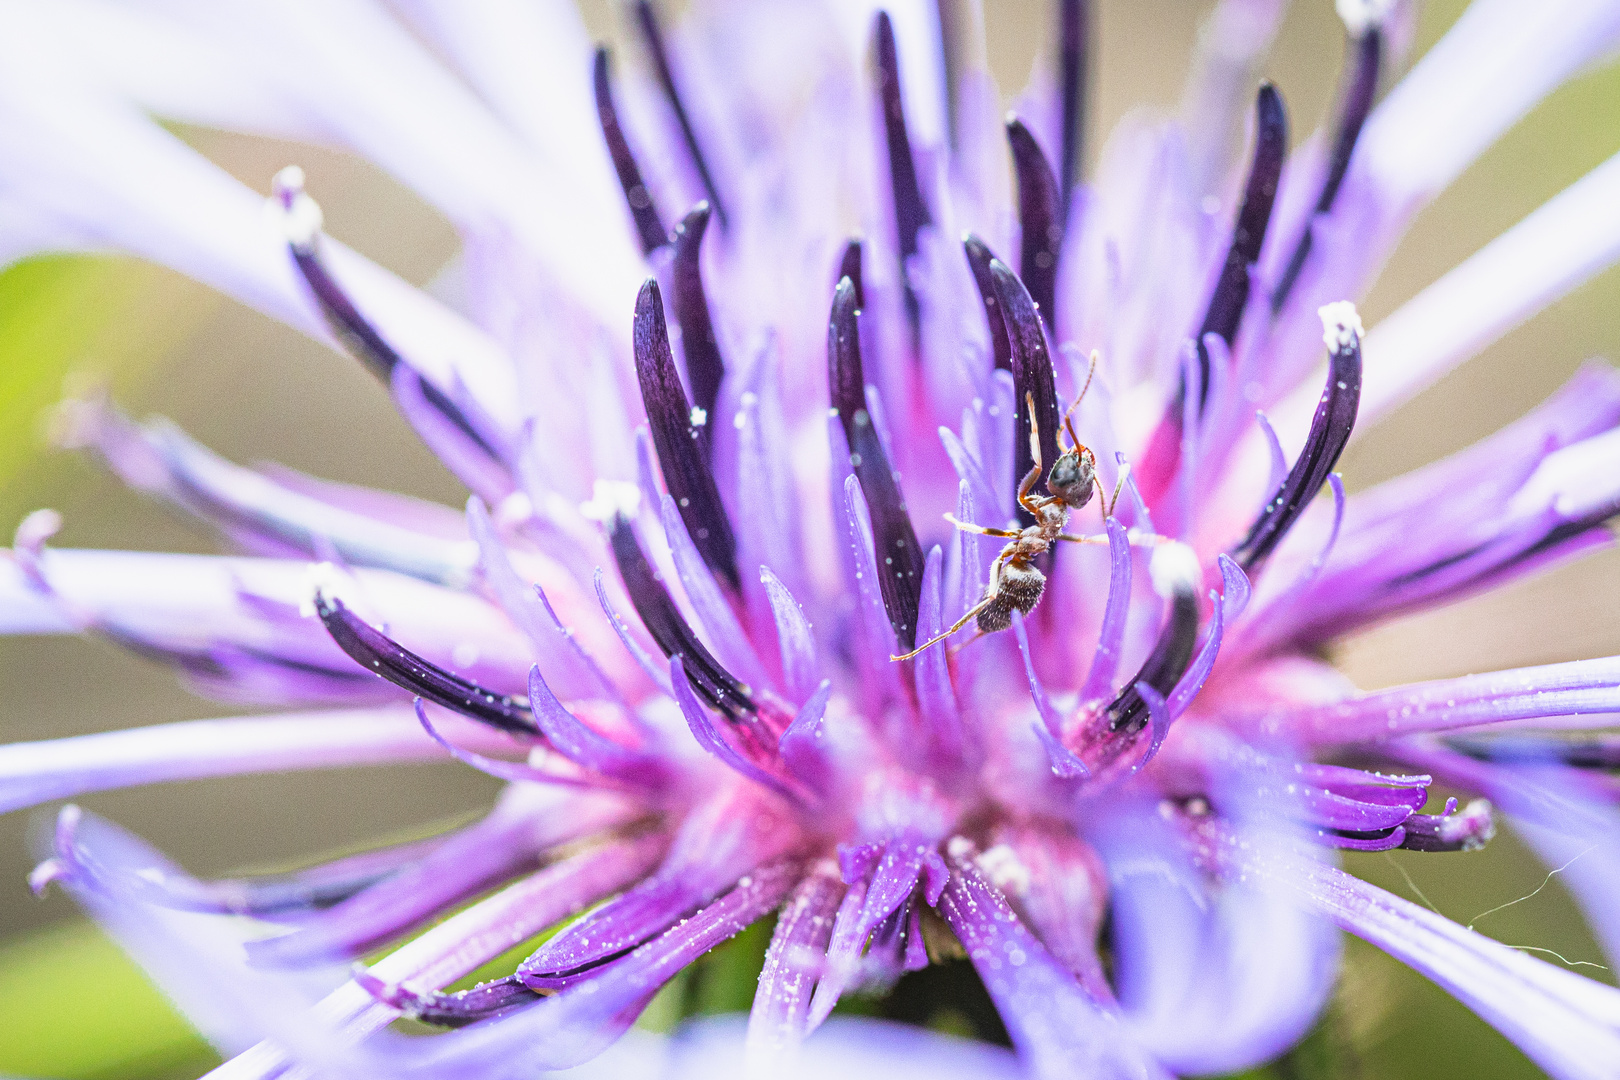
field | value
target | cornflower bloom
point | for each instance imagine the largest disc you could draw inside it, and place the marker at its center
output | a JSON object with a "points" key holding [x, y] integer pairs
{"points": [[705, 515]]}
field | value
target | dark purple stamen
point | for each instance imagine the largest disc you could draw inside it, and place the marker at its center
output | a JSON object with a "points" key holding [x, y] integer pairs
{"points": [[1165, 665], [371, 648], [1074, 25], [362, 340], [1468, 829], [850, 267], [1040, 209], [700, 347], [464, 1007], [898, 555], [1032, 376], [669, 628], [1358, 101], [1330, 430], [910, 212], [682, 452], [636, 194], [647, 19], [1231, 294], [1583, 751], [979, 257]]}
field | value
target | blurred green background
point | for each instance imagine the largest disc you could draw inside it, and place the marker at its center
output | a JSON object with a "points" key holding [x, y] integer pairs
{"points": [[72, 1007]]}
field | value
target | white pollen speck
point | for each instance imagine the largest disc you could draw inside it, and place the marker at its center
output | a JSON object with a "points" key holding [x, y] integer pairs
{"points": [[300, 215], [464, 655], [959, 847], [610, 499], [321, 578], [699, 416], [1361, 15], [1341, 326], [1173, 568]]}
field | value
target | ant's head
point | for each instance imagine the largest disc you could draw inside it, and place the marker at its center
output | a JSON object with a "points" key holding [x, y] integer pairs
{"points": [[1073, 477]]}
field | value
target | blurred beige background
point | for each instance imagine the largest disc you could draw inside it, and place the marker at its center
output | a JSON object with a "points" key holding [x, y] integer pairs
{"points": [[254, 390]]}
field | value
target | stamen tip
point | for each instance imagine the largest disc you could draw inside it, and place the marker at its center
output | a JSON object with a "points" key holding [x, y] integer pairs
{"points": [[42, 876], [612, 499], [1174, 568], [1341, 326], [300, 215], [1359, 16]]}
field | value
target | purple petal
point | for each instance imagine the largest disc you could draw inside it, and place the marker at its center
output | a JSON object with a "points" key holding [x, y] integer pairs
{"points": [[709, 736], [793, 963], [1057, 1029], [793, 634], [720, 841], [573, 1026], [498, 767], [525, 603], [714, 613], [584, 745], [1032, 376], [936, 696], [507, 842], [1227, 608], [801, 744], [1330, 430], [1105, 661]]}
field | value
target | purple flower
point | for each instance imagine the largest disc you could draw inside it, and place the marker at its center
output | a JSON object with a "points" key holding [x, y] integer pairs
{"points": [[670, 613]]}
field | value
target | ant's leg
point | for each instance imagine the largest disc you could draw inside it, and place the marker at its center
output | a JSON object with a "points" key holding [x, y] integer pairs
{"points": [[1109, 505], [1073, 539], [990, 593], [968, 526], [1024, 498], [1134, 538], [968, 642]]}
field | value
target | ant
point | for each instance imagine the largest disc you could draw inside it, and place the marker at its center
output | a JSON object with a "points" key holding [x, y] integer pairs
{"points": [[1015, 581]]}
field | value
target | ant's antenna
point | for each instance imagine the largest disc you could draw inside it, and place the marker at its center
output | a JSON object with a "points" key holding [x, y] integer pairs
{"points": [[1068, 425]]}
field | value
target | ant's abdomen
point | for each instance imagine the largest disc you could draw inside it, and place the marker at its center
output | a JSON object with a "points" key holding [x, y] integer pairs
{"points": [[1020, 589]]}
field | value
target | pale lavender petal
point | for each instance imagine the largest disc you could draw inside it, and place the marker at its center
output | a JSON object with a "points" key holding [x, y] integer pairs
{"points": [[936, 696], [801, 744], [706, 731], [500, 768], [1228, 606], [793, 634], [731, 645], [1574, 688], [1105, 662], [584, 745], [504, 844], [36, 772], [561, 653], [1566, 1023]]}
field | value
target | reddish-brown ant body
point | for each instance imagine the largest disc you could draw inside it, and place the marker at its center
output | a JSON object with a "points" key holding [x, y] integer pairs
{"points": [[1016, 583]]}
